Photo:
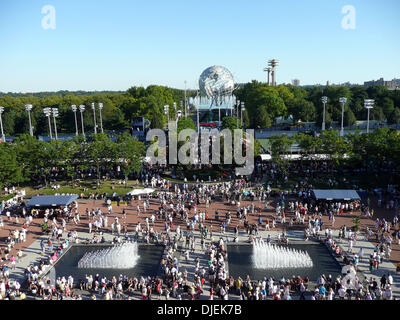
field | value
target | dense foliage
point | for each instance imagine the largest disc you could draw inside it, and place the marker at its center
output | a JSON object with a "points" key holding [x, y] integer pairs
{"points": [[263, 104], [30, 161]]}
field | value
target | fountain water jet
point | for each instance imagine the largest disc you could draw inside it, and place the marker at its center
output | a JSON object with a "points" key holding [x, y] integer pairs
{"points": [[124, 256], [267, 256]]}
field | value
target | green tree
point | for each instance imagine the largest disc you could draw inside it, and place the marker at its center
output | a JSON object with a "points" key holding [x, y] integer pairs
{"points": [[280, 147], [349, 118], [131, 152], [394, 117]]}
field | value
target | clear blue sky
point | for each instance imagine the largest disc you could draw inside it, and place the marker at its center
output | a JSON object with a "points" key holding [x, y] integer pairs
{"points": [[113, 45]]}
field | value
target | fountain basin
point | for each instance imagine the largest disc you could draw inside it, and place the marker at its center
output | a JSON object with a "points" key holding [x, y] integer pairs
{"points": [[147, 265], [240, 262]]}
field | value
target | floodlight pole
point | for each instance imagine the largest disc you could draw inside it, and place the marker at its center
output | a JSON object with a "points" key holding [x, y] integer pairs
{"points": [[28, 108], [241, 113], [343, 101], [368, 104], [3, 137], [55, 114], [81, 109], [74, 109], [101, 119], [94, 117], [324, 101]]}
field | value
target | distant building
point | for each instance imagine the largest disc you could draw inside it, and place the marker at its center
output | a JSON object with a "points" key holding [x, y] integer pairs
{"points": [[328, 83], [392, 84], [296, 82]]}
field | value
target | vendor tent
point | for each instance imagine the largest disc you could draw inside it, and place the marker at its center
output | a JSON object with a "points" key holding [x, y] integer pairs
{"points": [[52, 201], [336, 195]]}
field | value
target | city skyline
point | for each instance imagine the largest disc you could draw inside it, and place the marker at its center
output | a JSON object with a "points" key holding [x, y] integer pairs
{"points": [[123, 44]]}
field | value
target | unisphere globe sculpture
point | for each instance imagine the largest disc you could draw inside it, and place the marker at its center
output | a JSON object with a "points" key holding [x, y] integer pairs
{"points": [[216, 81]]}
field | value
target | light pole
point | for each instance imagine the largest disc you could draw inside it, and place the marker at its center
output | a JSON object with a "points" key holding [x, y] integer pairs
{"points": [[343, 101], [324, 100], [166, 111], [28, 108], [3, 137], [81, 109], [237, 113], [181, 107], [47, 113], [74, 109], [368, 104], [101, 119], [94, 117], [55, 114], [241, 113]]}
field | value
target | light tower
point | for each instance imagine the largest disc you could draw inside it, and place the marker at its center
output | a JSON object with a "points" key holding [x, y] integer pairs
{"points": [[28, 108], [241, 113], [55, 115], [47, 113], [74, 109], [166, 111], [324, 100], [3, 137], [268, 70], [368, 104], [343, 101], [101, 118], [94, 117], [81, 109], [273, 63]]}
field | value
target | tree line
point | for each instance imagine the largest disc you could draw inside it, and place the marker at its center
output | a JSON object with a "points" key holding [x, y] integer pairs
{"points": [[377, 149], [263, 104], [30, 161]]}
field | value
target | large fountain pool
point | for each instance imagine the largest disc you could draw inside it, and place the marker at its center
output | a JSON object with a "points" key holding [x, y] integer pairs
{"points": [[242, 263], [147, 265]]}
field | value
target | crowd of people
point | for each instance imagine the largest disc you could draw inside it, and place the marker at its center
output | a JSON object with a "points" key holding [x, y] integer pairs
{"points": [[189, 232]]}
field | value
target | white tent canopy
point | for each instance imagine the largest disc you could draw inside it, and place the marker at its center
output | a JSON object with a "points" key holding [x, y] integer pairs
{"points": [[137, 192]]}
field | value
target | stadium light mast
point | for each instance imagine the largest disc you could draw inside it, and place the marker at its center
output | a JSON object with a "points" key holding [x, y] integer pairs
{"points": [[166, 111], [368, 104], [3, 137], [55, 115], [47, 113], [241, 113], [324, 100], [101, 118], [343, 101], [273, 64], [74, 109], [28, 108], [94, 117], [82, 109]]}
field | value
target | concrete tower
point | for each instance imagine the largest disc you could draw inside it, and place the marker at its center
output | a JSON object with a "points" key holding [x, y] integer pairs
{"points": [[273, 63], [268, 70]]}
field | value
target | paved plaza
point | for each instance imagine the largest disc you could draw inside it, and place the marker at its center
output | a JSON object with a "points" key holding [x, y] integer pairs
{"points": [[32, 252]]}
